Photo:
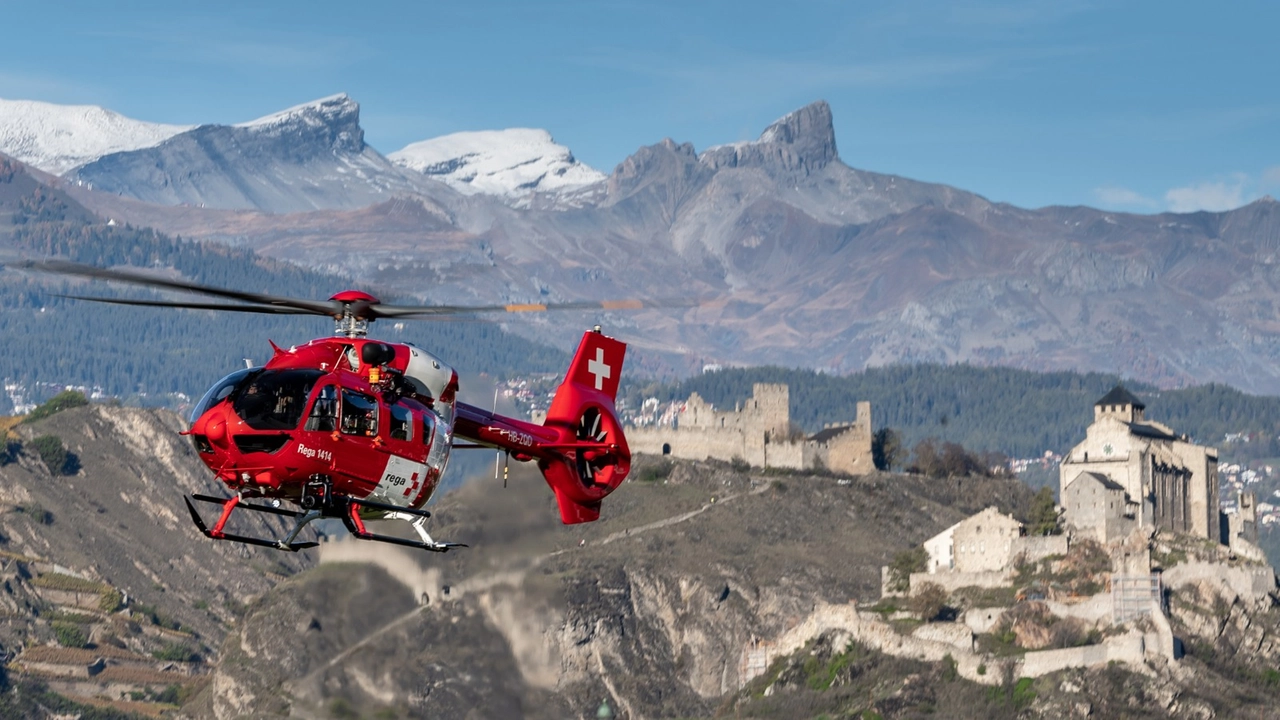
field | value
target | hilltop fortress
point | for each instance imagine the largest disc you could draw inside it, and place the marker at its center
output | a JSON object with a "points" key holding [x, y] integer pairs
{"points": [[759, 432], [1131, 472]]}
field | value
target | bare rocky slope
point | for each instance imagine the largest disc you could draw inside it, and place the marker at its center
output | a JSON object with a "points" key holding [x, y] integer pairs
{"points": [[120, 519], [108, 594], [651, 609]]}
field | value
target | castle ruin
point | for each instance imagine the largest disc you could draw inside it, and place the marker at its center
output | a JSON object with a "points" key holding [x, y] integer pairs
{"points": [[759, 432]]}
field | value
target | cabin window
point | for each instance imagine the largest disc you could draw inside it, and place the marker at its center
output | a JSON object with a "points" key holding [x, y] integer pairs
{"points": [[401, 423], [275, 399], [359, 414], [324, 412]]}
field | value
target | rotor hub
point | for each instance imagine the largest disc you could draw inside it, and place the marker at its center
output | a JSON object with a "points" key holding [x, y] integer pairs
{"points": [[355, 296], [355, 318]]}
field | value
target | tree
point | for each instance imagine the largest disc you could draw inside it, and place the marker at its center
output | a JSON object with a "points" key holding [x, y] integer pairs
{"points": [[886, 449], [927, 460], [64, 400], [1043, 518], [70, 635], [55, 456], [957, 462], [914, 560], [929, 601]]}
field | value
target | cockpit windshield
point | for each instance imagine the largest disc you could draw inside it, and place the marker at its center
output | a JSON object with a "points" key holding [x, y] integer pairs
{"points": [[274, 399], [220, 391]]}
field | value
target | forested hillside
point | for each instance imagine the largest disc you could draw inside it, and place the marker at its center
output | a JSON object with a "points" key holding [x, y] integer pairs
{"points": [[1017, 412], [133, 351]]}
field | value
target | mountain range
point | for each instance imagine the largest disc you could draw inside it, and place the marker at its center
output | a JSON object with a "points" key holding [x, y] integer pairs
{"points": [[799, 258]]}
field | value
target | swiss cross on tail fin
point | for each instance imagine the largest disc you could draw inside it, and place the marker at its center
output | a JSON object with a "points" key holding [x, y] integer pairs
{"points": [[598, 364]]}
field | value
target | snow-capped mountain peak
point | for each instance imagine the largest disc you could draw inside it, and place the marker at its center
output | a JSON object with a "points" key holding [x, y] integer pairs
{"points": [[57, 138], [315, 112], [511, 163]]}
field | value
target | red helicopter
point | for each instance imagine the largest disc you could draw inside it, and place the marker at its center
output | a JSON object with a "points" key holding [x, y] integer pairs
{"points": [[353, 428]]}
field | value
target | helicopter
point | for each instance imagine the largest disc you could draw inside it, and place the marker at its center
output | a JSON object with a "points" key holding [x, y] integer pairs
{"points": [[358, 429]]}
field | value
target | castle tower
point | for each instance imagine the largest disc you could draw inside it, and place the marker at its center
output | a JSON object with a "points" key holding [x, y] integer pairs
{"points": [[770, 407], [1119, 403]]}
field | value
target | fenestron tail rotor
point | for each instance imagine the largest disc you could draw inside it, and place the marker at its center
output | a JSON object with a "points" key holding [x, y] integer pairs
{"points": [[352, 310]]}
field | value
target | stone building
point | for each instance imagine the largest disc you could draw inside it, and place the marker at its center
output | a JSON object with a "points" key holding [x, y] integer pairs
{"points": [[982, 550], [1168, 481], [940, 550], [986, 542], [760, 432], [1243, 523], [1098, 507]]}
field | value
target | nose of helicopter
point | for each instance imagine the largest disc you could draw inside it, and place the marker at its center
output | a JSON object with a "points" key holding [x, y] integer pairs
{"points": [[212, 427]]}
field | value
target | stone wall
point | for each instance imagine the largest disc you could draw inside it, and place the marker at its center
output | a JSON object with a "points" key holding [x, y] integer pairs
{"points": [[981, 620], [759, 432], [1252, 582], [934, 641], [1129, 648], [849, 452], [1038, 547], [1094, 609], [952, 581]]}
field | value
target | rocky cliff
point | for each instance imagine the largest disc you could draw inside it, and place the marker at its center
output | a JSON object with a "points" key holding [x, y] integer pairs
{"points": [[703, 591], [309, 157]]}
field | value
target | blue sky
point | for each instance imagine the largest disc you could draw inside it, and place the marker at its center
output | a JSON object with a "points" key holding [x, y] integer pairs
{"points": [[1140, 106]]}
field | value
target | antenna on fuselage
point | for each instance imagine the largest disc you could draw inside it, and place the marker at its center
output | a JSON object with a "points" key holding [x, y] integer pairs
{"points": [[497, 456]]}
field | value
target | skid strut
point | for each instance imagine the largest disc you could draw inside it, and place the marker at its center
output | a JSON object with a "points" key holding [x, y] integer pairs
{"points": [[319, 502], [233, 502], [416, 518]]}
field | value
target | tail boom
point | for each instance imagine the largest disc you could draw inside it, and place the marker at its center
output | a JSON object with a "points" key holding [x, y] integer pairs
{"points": [[580, 448]]}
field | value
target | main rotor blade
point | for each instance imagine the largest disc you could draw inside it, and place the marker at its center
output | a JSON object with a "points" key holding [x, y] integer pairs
{"points": [[266, 309], [361, 309], [63, 267], [430, 311]]}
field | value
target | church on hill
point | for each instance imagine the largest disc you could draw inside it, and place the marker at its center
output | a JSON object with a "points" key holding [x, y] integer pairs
{"points": [[1132, 472]]}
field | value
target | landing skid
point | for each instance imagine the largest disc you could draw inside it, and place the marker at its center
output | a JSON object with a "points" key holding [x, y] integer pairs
{"points": [[321, 506]]}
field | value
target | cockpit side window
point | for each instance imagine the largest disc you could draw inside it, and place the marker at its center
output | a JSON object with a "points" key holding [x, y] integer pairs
{"points": [[324, 412], [274, 399], [428, 427], [359, 414], [401, 423]]}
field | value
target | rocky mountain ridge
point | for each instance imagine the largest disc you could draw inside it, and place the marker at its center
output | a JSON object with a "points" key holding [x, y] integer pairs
{"points": [[803, 260], [306, 158]]}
